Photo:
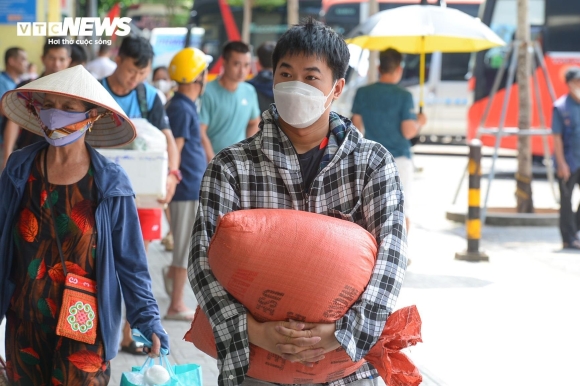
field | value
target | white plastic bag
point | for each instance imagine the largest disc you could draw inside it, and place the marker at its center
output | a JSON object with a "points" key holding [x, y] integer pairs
{"points": [[149, 137]]}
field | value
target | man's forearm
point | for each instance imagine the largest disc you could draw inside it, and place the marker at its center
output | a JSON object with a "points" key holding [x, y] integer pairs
{"points": [[559, 149], [206, 143], [172, 152]]}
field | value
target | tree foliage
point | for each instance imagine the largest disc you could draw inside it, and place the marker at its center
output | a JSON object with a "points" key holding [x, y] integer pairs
{"points": [[259, 3]]}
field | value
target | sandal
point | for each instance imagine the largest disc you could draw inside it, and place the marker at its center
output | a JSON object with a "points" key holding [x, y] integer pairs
{"points": [[134, 348], [168, 242], [573, 245], [184, 316]]}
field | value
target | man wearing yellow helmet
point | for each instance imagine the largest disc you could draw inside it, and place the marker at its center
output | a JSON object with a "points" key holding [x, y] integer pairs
{"points": [[189, 69]]}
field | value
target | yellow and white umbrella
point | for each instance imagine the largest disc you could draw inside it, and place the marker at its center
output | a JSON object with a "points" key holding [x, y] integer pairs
{"points": [[422, 29]]}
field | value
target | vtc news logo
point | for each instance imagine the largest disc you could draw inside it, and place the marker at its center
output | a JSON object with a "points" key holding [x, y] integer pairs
{"points": [[77, 26]]}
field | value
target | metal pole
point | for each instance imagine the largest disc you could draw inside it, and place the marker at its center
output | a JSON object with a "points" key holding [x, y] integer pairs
{"points": [[540, 56], [247, 21], [293, 13], [473, 221], [508, 90], [542, 115], [496, 83], [493, 92], [373, 75]]}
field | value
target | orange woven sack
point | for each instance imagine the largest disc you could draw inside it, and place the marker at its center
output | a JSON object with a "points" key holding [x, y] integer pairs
{"points": [[286, 264]]}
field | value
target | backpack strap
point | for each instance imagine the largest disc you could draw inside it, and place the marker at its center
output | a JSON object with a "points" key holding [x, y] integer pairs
{"points": [[142, 99]]}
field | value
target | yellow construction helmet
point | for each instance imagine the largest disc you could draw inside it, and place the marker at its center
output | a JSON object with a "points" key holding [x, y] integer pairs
{"points": [[187, 65]]}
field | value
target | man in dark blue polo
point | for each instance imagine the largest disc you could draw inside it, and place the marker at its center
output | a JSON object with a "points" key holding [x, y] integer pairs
{"points": [[189, 69], [566, 132]]}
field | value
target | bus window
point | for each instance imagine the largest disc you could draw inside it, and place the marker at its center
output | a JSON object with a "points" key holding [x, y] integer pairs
{"points": [[411, 69], [563, 26], [455, 66]]}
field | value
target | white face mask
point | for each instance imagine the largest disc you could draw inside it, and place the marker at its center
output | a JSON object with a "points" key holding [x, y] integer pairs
{"points": [[300, 104], [163, 85]]}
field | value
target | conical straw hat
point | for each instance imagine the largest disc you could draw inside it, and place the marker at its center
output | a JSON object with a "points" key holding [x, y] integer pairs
{"points": [[76, 82]]}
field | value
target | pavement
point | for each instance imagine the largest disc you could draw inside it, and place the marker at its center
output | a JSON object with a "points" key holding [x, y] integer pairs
{"points": [[511, 321]]}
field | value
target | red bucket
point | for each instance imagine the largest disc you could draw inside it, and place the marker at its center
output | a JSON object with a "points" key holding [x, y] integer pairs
{"points": [[150, 220]]}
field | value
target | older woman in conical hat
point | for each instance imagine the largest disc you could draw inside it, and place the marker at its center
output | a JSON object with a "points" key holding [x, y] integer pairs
{"points": [[68, 216]]}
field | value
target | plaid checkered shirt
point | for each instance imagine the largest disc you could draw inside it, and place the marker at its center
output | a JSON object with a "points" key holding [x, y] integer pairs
{"points": [[358, 181]]}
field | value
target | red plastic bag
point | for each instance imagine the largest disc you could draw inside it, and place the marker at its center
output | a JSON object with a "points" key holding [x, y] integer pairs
{"points": [[270, 260]]}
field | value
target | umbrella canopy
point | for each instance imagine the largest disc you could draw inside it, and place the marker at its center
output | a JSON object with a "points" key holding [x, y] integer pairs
{"points": [[417, 29], [421, 29]]}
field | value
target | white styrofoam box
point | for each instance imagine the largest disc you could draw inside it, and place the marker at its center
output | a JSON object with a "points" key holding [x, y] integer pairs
{"points": [[147, 170]]}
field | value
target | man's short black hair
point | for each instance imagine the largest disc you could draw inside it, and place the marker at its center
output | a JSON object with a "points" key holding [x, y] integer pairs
{"points": [[10, 53], [50, 45], [78, 55], [312, 38], [137, 48], [390, 60], [235, 46], [264, 53]]}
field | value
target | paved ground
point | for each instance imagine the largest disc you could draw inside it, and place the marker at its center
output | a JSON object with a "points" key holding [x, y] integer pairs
{"points": [[511, 321]]}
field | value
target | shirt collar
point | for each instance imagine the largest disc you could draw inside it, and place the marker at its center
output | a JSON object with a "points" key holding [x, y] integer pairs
{"points": [[278, 148], [183, 97]]}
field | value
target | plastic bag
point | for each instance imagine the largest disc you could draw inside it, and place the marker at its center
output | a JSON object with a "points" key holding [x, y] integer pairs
{"points": [[149, 137], [138, 375], [180, 375], [183, 375]]}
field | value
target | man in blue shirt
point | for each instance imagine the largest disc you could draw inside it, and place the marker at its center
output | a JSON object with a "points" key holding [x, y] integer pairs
{"points": [[566, 133], [133, 66], [15, 65], [384, 112], [229, 108], [189, 69]]}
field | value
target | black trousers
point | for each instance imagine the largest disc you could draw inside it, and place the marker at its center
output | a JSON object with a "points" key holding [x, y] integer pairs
{"points": [[569, 220]]}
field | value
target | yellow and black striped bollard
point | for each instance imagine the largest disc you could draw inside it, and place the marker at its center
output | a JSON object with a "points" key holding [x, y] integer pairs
{"points": [[473, 222]]}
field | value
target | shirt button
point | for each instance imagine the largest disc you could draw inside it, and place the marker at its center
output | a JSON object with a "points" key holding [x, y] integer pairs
{"points": [[231, 377]]}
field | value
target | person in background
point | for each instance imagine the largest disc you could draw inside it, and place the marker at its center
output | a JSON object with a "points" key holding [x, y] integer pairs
{"points": [[102, 66], [264, 80], [15, 65], [30, 74], [384, 112], [55, 57], [309, 158], [163, 83], [229, 105], [78, 55], [140, 100], [64, 180], [566, 134], [189, 69], [164, 86]]}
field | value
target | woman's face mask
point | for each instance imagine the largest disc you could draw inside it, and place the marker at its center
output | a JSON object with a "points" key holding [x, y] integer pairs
{"points": [[300, 104], [62, 128], [163, 85]]}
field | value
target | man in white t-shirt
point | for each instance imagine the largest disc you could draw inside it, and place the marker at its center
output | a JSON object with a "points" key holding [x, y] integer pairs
{"points": [[102, 66]]}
